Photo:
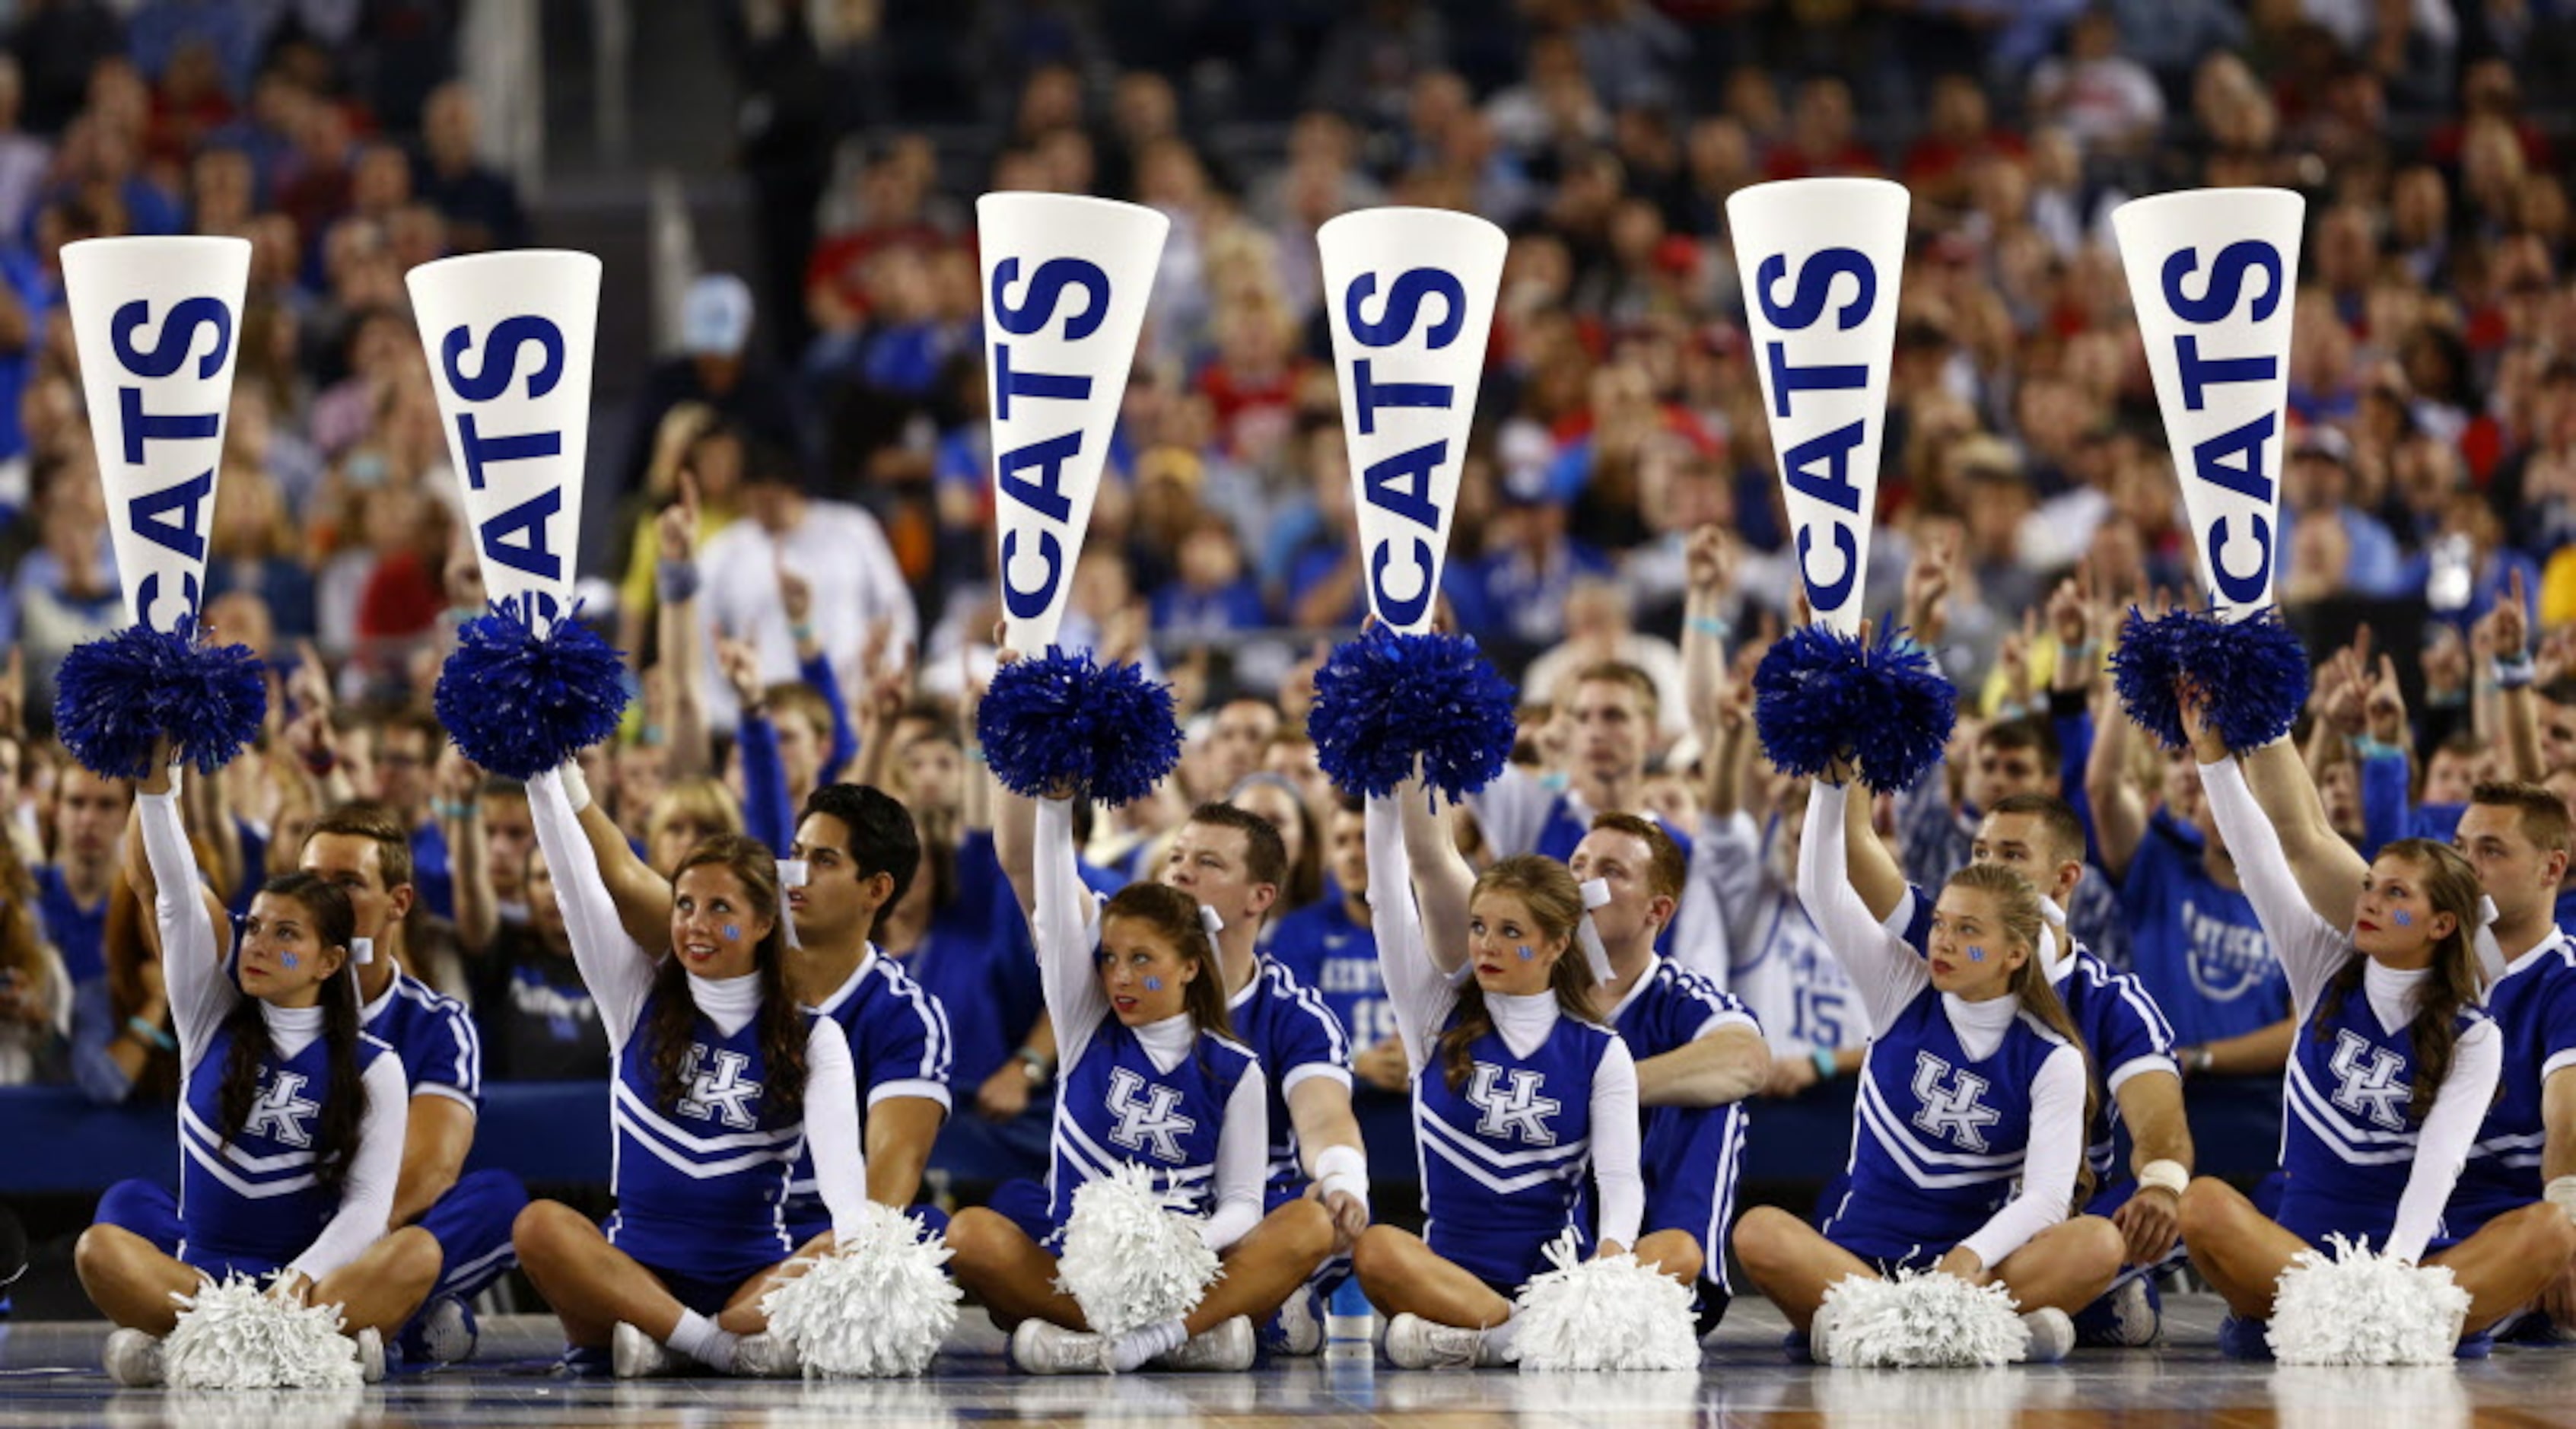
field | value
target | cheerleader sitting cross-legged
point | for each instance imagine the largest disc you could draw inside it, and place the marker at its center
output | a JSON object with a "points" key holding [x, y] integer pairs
{"points": [[720, 1079], [1150, 1077], [291, 1118], [1968, 1145], [1517, 1092], [2394, 1068]]}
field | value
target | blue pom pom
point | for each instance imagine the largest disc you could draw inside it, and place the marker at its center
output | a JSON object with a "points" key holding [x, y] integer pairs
{"points": [[117, 696], [519, 703], [1063, 721], [1385, 702], [2254, 671], [1819, 694]]}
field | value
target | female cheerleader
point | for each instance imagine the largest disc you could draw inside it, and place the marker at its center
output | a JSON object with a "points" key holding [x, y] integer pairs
{"points": [[1975, 1080], [720, 1079], [2394, 1068], [1518, 1093], [1149, 1076], [291, 1118]]}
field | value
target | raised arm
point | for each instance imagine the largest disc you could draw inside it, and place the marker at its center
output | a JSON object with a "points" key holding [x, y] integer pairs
{"points": [[458, 804], [195, 929], [1416, 984], [640, 897], [1884, 968], [615, 967], [1442, 881], [2509, 633], [1063, 923], [688, 750], [2119, 810], [2309, 947], [2328, 870]]}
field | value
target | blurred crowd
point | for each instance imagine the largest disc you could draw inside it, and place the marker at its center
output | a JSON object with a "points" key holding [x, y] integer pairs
{"points": [[802, 560]]}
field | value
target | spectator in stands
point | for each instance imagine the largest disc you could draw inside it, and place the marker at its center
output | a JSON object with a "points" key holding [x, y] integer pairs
{"points": [[837, 548], [479, 202], [715, 366], [35, 989]]}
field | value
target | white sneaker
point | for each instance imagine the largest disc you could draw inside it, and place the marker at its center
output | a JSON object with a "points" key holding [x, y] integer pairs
{"points": [[1820, 1333], [637, 1355], [1042, 1347], [1416, 1343], [133, 1359], [2134, 1319], [447, 1331], [371, 1355], [1227, 1348], [1298, 1328], [2052, 1334], [766, 1356]]}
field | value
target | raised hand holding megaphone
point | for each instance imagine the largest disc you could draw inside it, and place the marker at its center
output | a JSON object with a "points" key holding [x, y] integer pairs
{"points": [[2211, 273], [1821, 261], [157, 325], [1065, 285], [510, 338]]}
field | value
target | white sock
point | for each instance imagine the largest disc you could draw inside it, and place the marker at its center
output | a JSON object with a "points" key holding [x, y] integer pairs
{"points": [[699, 1339], [1131, 1350], [1502, 1342]]}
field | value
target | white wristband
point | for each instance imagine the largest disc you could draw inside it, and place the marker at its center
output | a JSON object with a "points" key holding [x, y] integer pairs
{"points": [[1343, 1169], [2168, 1174], [2562, 1194], [576, 788]]}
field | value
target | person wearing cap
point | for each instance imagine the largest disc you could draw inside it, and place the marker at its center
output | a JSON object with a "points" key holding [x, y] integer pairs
{"points": [[361, 849], [2317, 486], [715, 365]]}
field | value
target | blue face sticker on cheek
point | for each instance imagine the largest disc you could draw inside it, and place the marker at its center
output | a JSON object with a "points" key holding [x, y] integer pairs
{"points": [[1976, 955], [1526, 954], [291, 963], [2402, 918], [733, 934], [1153, 984]]}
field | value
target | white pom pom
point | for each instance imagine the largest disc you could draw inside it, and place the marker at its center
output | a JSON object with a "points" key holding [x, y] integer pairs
{"points": [[2359, 1308], [878, 1305], [1132, 1253], [233, 1335], [1923, 1319], [1607, 1314]]}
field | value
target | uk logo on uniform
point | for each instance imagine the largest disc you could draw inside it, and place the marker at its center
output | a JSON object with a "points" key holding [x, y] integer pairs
{"points": [[2369, 1088], [1954, 1113], [723, 1093], [1156, 1119], [1519, 1113], [281, 1113]]}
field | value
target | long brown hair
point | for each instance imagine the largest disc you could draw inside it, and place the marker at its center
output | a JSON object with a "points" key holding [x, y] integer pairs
{"points": [[667, 1033], [1555, 902], [125, 946], [2017, 908], [2453, 887], [1174, 916], [344, 1101], [22, 943]]}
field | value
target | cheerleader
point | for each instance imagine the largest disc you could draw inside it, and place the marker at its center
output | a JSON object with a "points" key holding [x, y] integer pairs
{"points": [[2395, 1065], [291, 1118], [1968, 1146], [720, 1082], [1518, 1093], [1149, 1075]]}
